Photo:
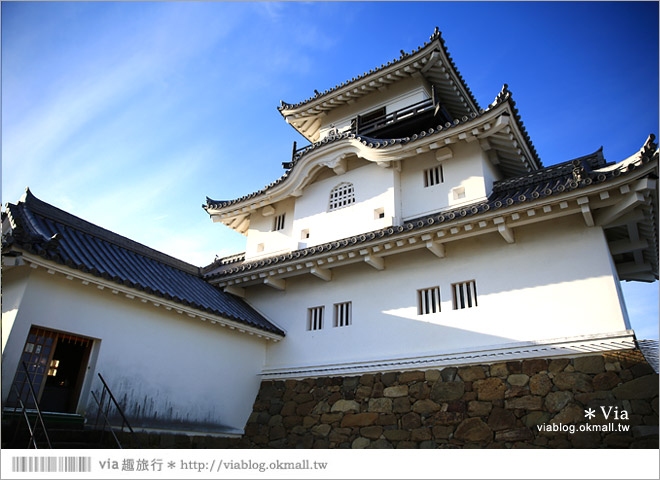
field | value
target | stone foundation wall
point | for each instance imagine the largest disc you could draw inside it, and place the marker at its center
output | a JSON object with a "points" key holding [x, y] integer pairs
{"points": [[498, 405], [485, 406]]}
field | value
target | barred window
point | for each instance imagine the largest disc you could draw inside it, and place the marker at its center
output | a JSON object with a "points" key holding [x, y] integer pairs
{"points": [[343, 314], [433, 176], [465, 294], [315, 318], [428, 300], [341, 196], [278, 222]]}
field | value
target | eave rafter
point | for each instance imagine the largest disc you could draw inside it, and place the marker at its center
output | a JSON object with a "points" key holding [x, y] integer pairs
{"points": [[632, 235]]}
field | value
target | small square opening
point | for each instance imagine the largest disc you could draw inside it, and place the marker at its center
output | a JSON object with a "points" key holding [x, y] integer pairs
{"points": [[458, 192]]}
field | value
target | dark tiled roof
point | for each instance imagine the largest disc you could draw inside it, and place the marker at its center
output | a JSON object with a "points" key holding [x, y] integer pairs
{"points": [[58, 236], [554, 180], [431, 44], [502, 97]]}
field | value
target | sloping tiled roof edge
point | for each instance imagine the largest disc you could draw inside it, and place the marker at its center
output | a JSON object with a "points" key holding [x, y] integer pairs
{"points": [[47, 210], [54, 235], [554, 180], [436, 36], [503, 97]]}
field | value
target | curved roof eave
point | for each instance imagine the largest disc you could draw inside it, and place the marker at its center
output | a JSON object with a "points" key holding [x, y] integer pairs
{"points": [[378, 149], [416, 58], [550, 182]]}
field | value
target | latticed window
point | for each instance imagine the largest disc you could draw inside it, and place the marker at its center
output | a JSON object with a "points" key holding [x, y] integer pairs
{"points": [[315, 318], [465, 294], [428, 300], [343, 313], [341, 196]]}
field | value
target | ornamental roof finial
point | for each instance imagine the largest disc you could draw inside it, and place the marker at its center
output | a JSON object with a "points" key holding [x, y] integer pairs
{"points": [[649, 146], [502, 95]]}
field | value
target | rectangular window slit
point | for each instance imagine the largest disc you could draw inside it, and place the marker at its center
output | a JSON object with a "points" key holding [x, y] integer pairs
{"points": [[464, 294], [433, 176], [315, 318], [428, 300], [278, 222], [342, 314]]}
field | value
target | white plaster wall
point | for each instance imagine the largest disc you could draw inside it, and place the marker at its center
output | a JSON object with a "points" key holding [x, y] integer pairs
{"points": [[261, 232], [491, 175], [468, 167], [555, 281], [179, 372], [374, 188], [397, 96], [14, 282]]}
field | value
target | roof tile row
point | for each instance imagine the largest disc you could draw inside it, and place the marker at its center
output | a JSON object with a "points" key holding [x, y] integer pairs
{"points": [[435, 36]]}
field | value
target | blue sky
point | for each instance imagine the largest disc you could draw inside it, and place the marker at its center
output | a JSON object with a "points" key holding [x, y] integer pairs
{"points": [[129, 114]]}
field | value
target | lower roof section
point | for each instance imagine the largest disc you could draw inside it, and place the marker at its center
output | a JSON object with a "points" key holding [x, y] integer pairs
{"points": [[40, 229]]}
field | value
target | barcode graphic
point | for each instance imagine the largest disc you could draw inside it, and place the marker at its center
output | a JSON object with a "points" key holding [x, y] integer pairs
{"points": [[51, 464]]}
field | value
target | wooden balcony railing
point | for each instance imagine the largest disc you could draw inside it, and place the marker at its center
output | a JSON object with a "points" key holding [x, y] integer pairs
{"points": [[370, 126], [397, 122]]}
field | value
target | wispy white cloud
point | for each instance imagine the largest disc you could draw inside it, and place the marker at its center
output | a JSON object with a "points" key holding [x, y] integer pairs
{"points": [[97, 89]]}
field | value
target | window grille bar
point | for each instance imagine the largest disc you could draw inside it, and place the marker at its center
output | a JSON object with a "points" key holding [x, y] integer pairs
{"points": [[428, 301], [315, 318], [278, 222], [433, 176], [465, 294], [342, 314]]}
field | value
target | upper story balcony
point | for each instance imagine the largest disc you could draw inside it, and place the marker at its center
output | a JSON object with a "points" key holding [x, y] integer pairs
{"points": [[401, 123], [404, 122]]}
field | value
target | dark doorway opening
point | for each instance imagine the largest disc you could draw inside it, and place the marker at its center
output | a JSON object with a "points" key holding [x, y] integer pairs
{"points": [[65, 376], [56, 364]]}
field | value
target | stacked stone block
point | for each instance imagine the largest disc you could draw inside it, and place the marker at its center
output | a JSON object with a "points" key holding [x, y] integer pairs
{"points": [[499, 405]]}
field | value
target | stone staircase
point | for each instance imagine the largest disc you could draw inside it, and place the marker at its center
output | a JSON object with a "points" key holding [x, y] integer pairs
{"points": [[64, 431]]}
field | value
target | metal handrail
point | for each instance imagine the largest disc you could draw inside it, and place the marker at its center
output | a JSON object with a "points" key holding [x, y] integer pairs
{"points": [[105, 418], [111, 401], [27, 420], [32, 429]]}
